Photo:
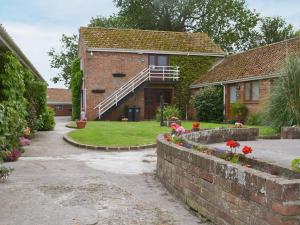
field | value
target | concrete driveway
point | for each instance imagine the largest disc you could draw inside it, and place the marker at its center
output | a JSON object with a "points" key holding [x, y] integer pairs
{"points": [[57, 184]]}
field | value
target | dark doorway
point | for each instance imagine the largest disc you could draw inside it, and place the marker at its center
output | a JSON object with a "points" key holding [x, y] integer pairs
{"points": [[152, 100]]}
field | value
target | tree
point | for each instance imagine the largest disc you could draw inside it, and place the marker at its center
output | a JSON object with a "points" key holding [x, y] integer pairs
{"points": [[275, 29], [113, 21], [230, 23], [63, 59]]}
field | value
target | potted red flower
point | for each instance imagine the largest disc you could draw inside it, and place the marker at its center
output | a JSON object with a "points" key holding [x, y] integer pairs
{"points": [[196, 127]]}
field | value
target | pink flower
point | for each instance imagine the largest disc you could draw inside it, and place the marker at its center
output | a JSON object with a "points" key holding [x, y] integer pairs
{"points": [[24, 141]]}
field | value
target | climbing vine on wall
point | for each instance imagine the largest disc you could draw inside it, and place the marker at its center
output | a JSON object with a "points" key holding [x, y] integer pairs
{"points": [[191, 69]]}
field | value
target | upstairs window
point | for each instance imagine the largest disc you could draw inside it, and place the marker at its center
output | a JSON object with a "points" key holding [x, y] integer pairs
{"points": [[252, 91]]}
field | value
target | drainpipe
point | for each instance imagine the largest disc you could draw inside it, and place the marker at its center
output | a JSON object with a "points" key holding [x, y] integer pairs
{"points": [[224, 99]]}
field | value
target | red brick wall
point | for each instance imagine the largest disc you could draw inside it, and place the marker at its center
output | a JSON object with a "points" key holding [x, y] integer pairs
{"points": [[65, 111], [253, 107], [98, 70], [226, 193]]}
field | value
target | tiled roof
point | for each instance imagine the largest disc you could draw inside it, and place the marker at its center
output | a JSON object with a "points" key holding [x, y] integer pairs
{"points": [[59, 95], [131, 39], [257, 62]]}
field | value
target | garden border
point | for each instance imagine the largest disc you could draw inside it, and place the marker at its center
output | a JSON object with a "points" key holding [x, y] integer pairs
{"points": [[107, 148]]}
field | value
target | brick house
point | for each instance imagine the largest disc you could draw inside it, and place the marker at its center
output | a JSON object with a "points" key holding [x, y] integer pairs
{"points": [[125, 67], [60, 100], [248, 77]]}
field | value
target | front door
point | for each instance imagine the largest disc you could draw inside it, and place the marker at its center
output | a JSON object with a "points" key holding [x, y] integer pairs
{"points": [[152, 100]]}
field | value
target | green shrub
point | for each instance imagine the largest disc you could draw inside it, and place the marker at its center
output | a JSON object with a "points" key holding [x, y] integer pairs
{"points": [[169, 111], [36, 96], [46, 120], [239, 111], [209, 105], [76, 82], [12, 102], [283, 108], [255, 119]]}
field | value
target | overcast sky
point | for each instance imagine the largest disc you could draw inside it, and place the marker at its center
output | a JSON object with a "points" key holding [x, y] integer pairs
{"points": [[36, 26]]}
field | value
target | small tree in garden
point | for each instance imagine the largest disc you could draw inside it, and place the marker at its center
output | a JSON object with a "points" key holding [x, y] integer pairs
{"points": [[76, 82], [209, 105], [239, 111], [283, 107]]}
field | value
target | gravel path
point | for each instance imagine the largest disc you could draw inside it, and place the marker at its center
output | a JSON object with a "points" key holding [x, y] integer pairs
{"points": [[57, 184]]}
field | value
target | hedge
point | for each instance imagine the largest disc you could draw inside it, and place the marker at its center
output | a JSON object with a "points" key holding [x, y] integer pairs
{"points": [[22, 100]]}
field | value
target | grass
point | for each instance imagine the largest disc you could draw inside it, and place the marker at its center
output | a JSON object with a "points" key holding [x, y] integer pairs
{"points": [[108, 133]]}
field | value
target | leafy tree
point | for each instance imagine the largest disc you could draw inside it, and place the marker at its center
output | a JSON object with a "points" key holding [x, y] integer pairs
{"points": [[63, 58], [113, 21], [229, 22], [274, 29]]}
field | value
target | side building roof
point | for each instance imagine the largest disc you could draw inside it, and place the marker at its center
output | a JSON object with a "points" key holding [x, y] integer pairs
{"points": [[258, 63]]}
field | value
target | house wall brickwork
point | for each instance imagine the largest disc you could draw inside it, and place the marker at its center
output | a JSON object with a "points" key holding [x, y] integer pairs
{"points": [[226, 193], [61, 110], [99, 68], [265, 87]]}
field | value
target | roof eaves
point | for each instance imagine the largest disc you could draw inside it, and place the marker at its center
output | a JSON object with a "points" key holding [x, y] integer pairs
{"points": [[245, 79], [140, 51]]}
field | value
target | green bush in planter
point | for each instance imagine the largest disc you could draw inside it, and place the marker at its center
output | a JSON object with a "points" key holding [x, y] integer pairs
{"points": [[239, 111], [169, 111], [208, 103]]}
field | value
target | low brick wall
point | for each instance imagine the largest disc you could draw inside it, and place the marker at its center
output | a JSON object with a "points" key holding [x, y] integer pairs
{"points": [[226, 193], [223, 135], [290, 132]]}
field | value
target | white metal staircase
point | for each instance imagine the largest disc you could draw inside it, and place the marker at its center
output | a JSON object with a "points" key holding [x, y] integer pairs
{"points": [[152, 73]]}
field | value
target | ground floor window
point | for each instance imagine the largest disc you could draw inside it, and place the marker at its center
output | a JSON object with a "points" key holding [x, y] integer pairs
{"points": [[252, 91], [233, 94]]}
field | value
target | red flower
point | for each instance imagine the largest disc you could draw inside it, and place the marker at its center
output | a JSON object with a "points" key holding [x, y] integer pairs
{"points": [[246, 150], [232, 144]]}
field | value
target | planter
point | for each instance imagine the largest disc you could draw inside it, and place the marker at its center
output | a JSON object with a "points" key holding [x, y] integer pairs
{"points": [[81, 124], [228, 193], [290, 132]]}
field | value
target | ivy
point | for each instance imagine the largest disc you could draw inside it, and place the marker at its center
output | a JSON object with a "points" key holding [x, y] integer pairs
{"points": [[12, 102], [76, 83], [191, 69]]}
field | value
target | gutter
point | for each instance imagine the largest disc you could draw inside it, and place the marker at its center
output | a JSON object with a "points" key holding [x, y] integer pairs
{"points": [[262, 77], [12, 46], [119, 50]]}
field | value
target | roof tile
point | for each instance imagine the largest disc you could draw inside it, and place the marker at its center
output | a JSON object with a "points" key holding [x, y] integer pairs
{"points": [[130, 39]]}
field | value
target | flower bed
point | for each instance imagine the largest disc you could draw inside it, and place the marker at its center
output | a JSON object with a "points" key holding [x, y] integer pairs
{"points": [[228, 193]]}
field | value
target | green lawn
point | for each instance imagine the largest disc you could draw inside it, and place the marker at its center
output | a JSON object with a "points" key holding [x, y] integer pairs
{"points": [[107, 133]]}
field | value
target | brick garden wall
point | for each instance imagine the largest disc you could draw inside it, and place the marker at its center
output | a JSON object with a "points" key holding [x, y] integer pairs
{"points": [[225, 193]]}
